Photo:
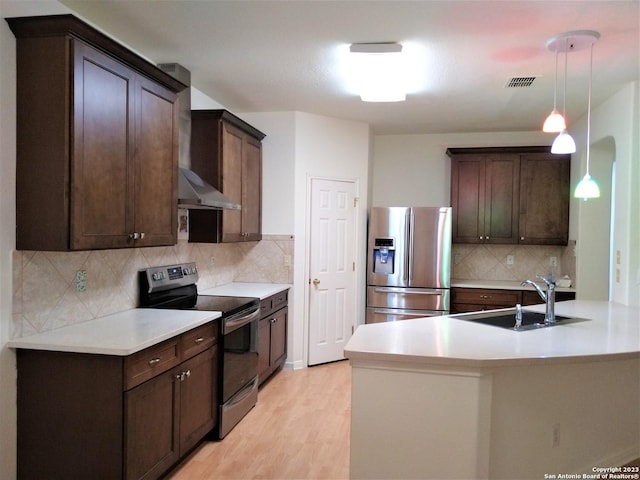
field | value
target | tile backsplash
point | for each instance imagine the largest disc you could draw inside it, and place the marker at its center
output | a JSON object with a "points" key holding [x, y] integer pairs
{"points": [[48, 291], [490, 262]]}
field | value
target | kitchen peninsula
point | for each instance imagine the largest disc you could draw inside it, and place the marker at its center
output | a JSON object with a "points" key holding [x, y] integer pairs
{"points": [[445, 398]]}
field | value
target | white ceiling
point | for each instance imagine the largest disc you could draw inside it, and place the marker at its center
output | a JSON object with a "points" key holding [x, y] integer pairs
{"points": [[264, 55]]}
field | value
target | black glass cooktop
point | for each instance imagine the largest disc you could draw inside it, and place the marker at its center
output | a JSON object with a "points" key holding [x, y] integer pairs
{"points": [[208, 303]]}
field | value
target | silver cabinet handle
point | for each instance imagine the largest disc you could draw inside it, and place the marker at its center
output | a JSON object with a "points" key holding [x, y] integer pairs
{"points": [[199, 340], [154, 361]]}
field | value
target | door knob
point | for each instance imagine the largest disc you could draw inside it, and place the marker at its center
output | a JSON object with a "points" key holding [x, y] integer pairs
{"points": [[316, 282]]}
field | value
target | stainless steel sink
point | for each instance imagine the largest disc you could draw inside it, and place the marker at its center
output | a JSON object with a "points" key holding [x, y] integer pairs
{"points": [[507, 319]]}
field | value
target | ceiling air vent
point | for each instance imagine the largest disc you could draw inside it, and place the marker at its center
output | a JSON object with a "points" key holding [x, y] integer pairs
{"points": [[519, 82]]}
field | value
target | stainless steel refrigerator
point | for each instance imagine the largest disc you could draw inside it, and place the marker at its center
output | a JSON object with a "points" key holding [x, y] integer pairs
{"points": [[408, 263]]}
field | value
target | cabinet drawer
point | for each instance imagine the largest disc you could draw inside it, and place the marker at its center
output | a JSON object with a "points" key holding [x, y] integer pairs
{"points": [[486, 296], [273, 303], [150, 362], [198, 340]]}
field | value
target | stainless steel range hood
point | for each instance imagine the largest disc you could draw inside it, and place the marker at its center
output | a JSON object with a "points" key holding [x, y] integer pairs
{"points": [[195, 193]]}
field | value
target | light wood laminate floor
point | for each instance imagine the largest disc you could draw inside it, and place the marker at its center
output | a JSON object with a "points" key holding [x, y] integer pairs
{"points": [[298, 430]]}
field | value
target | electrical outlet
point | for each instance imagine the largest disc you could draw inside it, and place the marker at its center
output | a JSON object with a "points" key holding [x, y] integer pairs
{"points": [[553, 261], [457, 259], [509, 259], [555, 440], [287, 260], [81, 280], [212, 261]]}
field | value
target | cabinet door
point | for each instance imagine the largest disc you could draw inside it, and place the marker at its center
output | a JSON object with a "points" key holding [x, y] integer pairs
{"points": [[264, 347], [251, 189], [278, 336], [101, 216], [544, 199], [154, 188], [151, 427], [198, 399], [502, 181], [467, 198], [232, 161]]}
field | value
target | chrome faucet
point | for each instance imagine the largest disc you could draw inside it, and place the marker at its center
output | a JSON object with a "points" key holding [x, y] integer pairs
{"points": [[549, 297]]}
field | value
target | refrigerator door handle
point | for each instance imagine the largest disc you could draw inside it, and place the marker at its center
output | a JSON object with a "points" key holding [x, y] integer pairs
{"points": [[416, 291], [412, 313], [407, 242]]}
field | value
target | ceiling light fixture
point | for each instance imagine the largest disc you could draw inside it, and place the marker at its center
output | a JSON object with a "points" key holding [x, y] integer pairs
{"points": [[380, 71], [569, 42], [555, 121]]}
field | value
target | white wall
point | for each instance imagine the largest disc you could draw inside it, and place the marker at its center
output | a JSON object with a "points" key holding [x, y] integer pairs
{"points": [[7, 244], [330, 148], [415, 169], [615, 122], [278, 169]]}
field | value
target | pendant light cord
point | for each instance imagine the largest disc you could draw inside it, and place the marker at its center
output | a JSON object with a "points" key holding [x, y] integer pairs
{"points": [[564, 95], [555, 83], [589, 108]]}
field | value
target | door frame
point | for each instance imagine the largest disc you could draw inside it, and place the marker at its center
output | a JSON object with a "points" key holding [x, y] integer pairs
{"points": [[360, 255]]}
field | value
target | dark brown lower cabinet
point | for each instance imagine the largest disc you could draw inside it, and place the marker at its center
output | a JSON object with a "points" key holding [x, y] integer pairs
{"points": [[478, 299], [151, 412], [532, 298], [86, 416], [168, 415], [272, 335]]}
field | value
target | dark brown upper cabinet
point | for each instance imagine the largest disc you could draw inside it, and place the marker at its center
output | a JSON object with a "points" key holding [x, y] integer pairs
{"points": [[97, 141], [227, 153], [509, 195]]}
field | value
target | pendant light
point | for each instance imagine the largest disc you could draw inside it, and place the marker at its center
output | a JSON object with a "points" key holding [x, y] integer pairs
{"points": [[587, 187], [555, 121], [564, 142]]}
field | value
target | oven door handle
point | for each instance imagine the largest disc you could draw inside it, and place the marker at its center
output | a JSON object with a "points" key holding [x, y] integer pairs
{"points": [[235, 323]]}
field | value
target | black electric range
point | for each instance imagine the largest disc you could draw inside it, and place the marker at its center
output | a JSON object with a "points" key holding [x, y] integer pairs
{"points": [[175, 287]]}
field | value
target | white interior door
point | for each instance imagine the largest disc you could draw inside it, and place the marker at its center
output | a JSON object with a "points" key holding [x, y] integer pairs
{"points": [[332, 274]]}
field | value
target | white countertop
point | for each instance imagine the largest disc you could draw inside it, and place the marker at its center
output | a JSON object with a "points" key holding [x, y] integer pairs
{"points": [[133, 330], [120, 334], [241, 289], [612, 332], [501, 284]]}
